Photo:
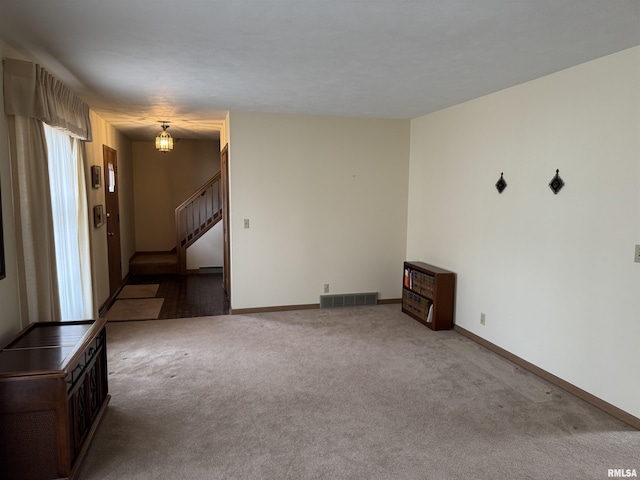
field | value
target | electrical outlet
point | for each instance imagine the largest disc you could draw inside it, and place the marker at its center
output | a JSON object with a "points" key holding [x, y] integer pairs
{"points": [[483, 318], [326, 288], [246, 223], [637, 257]]}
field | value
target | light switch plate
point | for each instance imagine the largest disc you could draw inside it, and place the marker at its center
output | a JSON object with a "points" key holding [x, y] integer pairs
{"points": [[246, 223], [637, 258]]}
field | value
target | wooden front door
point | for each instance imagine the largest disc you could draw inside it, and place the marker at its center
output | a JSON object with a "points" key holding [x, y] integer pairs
{"points": [[224, 180], [112, 208]]}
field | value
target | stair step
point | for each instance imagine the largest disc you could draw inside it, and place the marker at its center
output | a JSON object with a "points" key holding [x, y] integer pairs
{"points": [[153, 264]]}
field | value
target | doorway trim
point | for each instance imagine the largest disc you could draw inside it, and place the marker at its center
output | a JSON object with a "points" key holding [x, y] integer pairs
{"points": [[112, 214], [226, 234]]}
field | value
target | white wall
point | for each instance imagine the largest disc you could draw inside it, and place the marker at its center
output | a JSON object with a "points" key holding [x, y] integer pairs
{"points": [[554, 273], [326, 199], [10, 323], [105, 134], [207, 251]]}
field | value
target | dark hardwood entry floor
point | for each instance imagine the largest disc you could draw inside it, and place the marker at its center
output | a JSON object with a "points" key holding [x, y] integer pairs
{"points": [[195, 295]]}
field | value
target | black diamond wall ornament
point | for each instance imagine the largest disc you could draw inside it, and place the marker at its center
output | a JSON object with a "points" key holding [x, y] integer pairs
{"points": [[556, 183], [501, 184]]}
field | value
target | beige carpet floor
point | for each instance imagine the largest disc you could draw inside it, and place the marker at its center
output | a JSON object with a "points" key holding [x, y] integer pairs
{"points": [[134, 309], [352, 393]]}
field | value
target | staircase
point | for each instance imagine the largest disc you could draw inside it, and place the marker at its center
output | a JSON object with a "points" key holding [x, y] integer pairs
{"points": [[194, 217], [154, 263]]}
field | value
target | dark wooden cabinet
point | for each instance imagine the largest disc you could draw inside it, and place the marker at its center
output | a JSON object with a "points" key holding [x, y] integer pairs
{"points": [[428, 294], [53, 394]]}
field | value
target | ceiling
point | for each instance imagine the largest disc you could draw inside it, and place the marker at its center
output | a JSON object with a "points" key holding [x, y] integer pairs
{"points": [[190, 61]]}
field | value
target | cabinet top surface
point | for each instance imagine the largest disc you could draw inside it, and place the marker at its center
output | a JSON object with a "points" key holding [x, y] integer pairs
{"points": [[427, 267], [46, 347], [43, 335]]}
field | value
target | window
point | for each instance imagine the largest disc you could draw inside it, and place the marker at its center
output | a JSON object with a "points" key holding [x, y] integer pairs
{"points": [[70, 224]]}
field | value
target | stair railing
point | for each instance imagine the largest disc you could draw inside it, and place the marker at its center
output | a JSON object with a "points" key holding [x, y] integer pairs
{"points": [[195, 216]]}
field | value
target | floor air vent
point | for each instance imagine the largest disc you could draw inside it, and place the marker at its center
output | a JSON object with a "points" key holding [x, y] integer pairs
{"points": [[348, 300]]}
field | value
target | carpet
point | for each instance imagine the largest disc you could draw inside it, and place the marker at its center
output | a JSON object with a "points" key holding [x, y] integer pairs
{"points": [[135, 309], [138, 291], [348, 393]]}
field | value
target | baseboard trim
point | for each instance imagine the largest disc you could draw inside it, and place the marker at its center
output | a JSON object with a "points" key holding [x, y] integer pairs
{"points": [[288, 308], [281, 308], [109, 301], [152, 252], [389, 301], [557, 381], [104, 308]]}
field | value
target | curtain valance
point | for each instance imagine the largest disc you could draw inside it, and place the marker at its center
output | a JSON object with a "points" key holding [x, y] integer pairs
{"points": [[31, 91]]}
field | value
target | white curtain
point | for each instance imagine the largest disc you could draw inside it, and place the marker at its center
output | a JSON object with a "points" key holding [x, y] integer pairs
{"points": [[37, 275], [31, 91], [70, 224], [33, 97]]}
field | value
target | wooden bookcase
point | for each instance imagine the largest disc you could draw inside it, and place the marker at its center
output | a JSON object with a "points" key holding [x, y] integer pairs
{"points": [[428, 294]]}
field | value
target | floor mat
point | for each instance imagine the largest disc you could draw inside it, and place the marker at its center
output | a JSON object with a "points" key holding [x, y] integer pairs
{"points": [[135, 309], [139, 291]]}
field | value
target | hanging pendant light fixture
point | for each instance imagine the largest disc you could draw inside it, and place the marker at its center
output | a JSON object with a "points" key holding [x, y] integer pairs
{"points": [[164, 141]]}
